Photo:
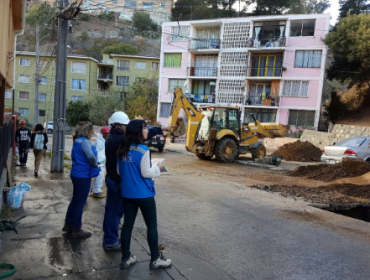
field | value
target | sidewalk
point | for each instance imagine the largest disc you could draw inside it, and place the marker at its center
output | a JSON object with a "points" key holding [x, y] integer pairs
{"points": [[41, 250]]}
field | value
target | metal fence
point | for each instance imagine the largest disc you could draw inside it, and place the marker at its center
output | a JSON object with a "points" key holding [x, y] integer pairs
{"points": [[6, 142]]}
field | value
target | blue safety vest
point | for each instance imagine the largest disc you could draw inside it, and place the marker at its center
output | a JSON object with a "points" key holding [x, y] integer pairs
{"points": [[133, 184], [81, 168]]}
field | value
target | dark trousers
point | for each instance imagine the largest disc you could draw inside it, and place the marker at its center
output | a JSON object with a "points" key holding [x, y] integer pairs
{"points": [[22, 148], [81, 189], [149, 212], [113, 212]]}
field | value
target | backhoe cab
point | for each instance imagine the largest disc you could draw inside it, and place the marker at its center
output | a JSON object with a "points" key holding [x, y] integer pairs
{"points": [[216, 130]]}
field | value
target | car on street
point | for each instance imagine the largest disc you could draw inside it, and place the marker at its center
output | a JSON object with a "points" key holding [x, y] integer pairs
{"points": [[158, 141], [49, 129], [356, 147]]}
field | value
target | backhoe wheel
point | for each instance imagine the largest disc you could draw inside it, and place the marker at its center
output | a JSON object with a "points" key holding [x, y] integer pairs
{"points": [[259, 152], [226, 150], [203, 157]]}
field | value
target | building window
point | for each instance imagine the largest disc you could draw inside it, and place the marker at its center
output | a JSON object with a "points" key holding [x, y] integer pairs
{"points": [[162, 5], [266, 65], [172, 59], [54, 81], [301, 118], [140, 65], [307, 59], [78, 84], [148, 5], [23, 111], [295, 88], [8, 93], [42, 96], [53, 97], [131, 4], [75, 98], [23, 95], [155, 65], [101, 1], [43, 81], [24, 62], [114, 1], [122, 81], [302, 28], [165, 110], [180, 33], [24, 79], [43, 63], [123, 65], [174, 83], [138, 79], [79, 67], [262, 115], [42, 113]]}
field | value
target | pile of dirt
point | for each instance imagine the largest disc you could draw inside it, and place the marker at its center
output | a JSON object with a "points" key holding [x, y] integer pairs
{"points": [[336, 193], [328, 172], [299, 151]]}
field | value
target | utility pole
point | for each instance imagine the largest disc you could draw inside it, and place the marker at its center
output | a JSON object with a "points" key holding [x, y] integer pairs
{"points": [[37, 78], [60, 102]]}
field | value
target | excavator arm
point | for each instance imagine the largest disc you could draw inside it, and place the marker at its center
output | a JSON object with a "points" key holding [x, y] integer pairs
{"points": [[194, 116]]}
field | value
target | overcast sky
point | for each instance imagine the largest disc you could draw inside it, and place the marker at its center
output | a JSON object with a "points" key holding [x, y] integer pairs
{"points": [[334, 11]]}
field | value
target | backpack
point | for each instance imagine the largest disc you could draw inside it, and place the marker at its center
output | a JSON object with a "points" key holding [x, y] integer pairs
{"points": [[39, 142]]}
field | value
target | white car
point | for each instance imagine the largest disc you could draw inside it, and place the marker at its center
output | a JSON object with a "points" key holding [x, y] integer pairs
{"points": [[50, 127]]}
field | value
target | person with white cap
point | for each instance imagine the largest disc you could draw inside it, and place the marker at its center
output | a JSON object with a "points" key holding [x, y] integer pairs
{"points": [[114, 205]]}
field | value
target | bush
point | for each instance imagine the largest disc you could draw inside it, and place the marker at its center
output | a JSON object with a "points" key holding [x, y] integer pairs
{"points": [[107, 16], [84, 17]]}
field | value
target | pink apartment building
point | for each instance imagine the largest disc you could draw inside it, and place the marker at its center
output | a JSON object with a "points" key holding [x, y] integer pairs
{"points": [[271, 66]]}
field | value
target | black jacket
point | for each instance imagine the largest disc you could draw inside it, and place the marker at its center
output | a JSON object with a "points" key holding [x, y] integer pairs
{"points": [[111, 149], [22, 136], [33, 139]]}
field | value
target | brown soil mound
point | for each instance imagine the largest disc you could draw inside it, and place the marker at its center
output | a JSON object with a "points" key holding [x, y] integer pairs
{"points": [[336, 193], [299, 151], [329, 172]]}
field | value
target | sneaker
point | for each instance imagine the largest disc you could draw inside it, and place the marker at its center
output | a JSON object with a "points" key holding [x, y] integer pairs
{"points": [[161, 262], [36, 173], [79, 233], [128, 263], [99, 195], [67, 227], [116, 247]]}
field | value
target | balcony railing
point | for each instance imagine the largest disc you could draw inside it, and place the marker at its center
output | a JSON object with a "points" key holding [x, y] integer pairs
{"points": [[202, 71], [122, 68], [201, 97], [258, 100], [204, 44], [266, 42], [105, 76], [265, 72], [108, 61]]}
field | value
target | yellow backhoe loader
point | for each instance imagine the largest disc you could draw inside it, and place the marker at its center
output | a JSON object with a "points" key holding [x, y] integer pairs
{"points": [[216, 130]]}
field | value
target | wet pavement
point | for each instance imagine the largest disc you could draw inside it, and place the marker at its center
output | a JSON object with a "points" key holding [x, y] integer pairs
{"points": [[41, 250]]}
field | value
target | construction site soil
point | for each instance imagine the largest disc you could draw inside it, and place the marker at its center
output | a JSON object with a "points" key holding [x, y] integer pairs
{"points": [[299, 151]]}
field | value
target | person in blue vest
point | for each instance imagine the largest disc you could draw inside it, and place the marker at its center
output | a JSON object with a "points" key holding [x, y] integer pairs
{"points": [[137, 188], [114, 205], [84, 167]]}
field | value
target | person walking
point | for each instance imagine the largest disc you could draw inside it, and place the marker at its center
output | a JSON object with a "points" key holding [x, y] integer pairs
{"points": [[38, 143], [84, 167], [114, 205], [22, 140], [137, 188], [100, 147]]}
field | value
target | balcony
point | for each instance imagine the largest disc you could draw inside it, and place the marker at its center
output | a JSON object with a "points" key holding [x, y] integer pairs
{"points": [[204, 45], [107, 61], [202, 72], [267, 42], [259, 101], [265, 72], [202, 98], [106, 77]]}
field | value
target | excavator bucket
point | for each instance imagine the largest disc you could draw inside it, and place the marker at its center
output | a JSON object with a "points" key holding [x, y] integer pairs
{"points": [[180, 129]]}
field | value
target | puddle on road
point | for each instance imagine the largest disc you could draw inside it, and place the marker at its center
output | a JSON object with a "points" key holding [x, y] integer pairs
{"points": [[359, 212]]}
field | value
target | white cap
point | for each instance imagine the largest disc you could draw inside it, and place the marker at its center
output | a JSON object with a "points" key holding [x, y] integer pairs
{"points": [[118, 118]]}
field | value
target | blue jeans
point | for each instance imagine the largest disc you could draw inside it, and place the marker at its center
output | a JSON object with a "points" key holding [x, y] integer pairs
{"points": [[149, 212], [22, 152], [113, 212], [81, 189]]}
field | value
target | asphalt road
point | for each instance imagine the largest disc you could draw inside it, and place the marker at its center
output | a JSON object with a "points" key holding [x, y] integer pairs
{"points": [[207, 209]]}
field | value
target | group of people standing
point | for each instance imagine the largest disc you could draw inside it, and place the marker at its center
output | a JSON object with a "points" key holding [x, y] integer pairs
{"points": [[128, 179], [25, 140]]}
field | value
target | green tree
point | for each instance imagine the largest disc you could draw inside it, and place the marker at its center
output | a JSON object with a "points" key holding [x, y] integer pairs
{"points": [[76, 112], [143, 22], [107, 16], [119, 48], [271, 7], [84, 17], [335, 109], [308, 6], [84, 38], [351, 50], [352, 7], [40, 14]]}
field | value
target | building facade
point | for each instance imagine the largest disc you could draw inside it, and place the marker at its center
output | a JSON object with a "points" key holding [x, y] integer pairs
{"points": [[271, 66], [86, 77]]}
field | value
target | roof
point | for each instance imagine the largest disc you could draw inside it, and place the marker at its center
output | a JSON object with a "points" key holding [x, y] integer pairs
{"points": [[51, 54], [134, 56]]}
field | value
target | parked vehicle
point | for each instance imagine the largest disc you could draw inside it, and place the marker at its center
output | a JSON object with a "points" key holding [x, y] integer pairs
{"points": [[356, 147], [158, 141], [49, 129]]}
